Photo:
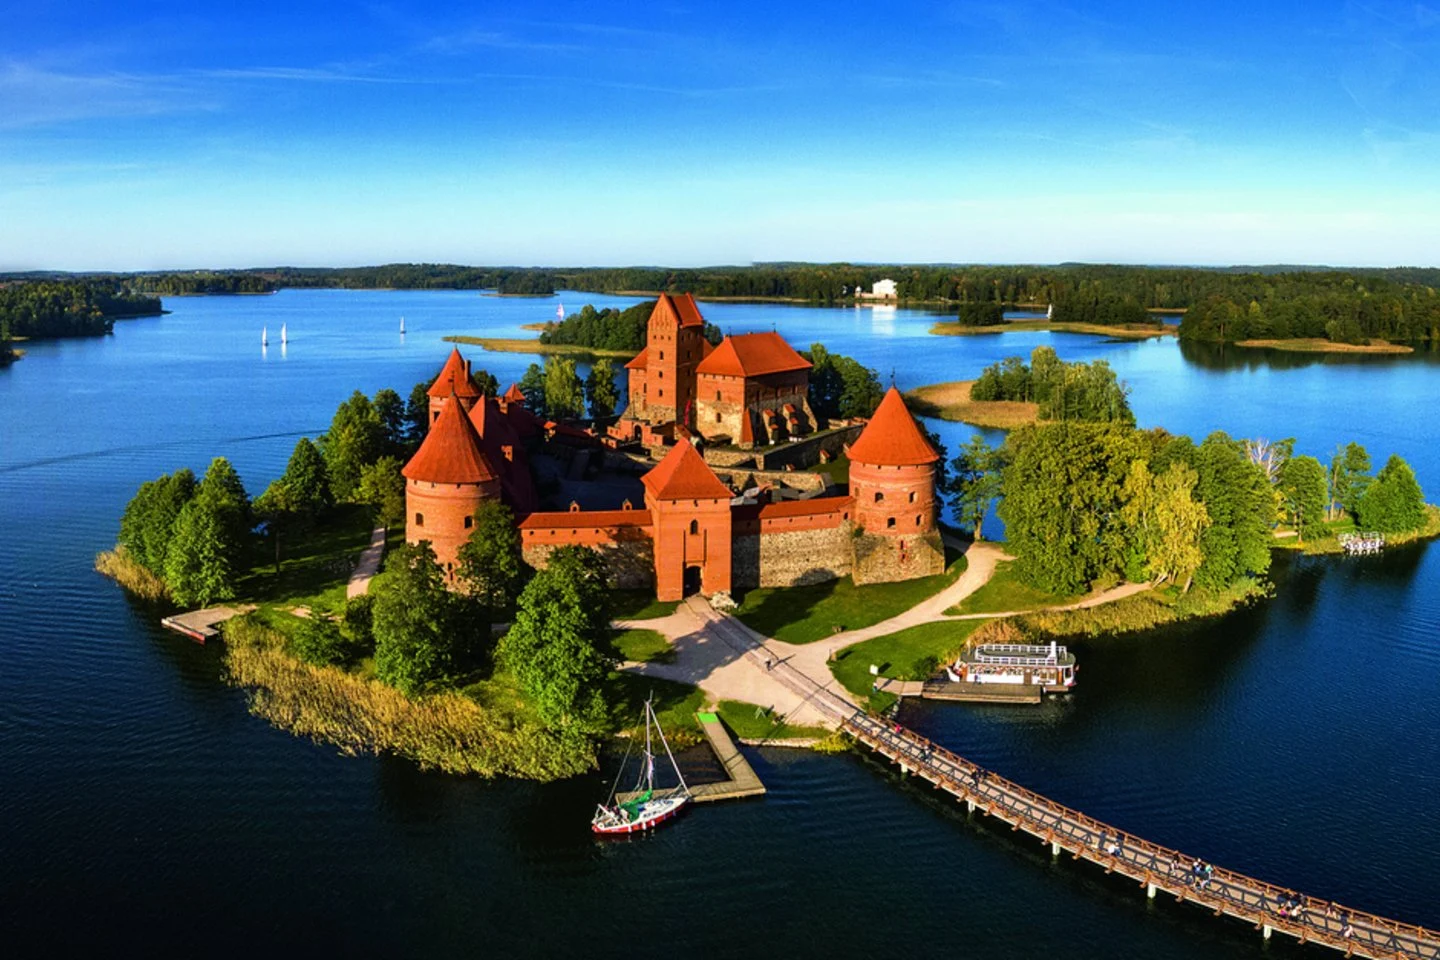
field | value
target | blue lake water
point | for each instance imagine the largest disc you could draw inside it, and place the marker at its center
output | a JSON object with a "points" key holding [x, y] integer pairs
{"points": [[140, 804]]}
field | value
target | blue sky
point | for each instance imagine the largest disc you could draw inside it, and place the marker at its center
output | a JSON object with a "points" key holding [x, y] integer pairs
{"points": [[157, 135]]}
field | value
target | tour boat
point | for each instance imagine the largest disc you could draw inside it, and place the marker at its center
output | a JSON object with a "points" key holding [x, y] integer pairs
{"points": [[643, 808], [1051, 667]]}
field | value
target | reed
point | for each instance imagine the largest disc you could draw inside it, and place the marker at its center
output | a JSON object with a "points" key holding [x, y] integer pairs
{"points": [[442, 731], [137, 579]]}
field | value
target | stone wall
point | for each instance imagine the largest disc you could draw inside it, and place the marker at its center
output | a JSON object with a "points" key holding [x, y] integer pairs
{"points": [[629, 563], [744, 479], [728, 457], [806, 453], [885, 559], [791, 558]]}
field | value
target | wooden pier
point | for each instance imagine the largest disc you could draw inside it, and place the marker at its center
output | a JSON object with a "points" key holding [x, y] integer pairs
{"points": [[199, 625], [1355, 933], [982, 692], [740, 781]]}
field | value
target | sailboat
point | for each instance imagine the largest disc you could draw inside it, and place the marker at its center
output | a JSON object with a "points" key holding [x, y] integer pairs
{"points": [[402, 326], [560, 312], [264, 336], [1050, 312], [643, 808], [283, 339]]}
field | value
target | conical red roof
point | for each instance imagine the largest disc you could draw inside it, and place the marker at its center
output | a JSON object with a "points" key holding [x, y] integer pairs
{"points": [[892, 438], [454, 378], [451, 452], [684, 475], [513, 395]]}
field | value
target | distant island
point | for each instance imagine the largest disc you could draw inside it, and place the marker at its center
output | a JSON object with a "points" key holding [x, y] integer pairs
{"points": [[67, 308]]}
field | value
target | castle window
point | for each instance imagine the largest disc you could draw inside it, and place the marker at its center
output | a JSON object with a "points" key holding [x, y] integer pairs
{"points": [[660, 374], [917, 519], [717, 416], [890, 522], [662, 393], [694, 526], [419, 519], [469, 522], [717, 394], [912, 496], [879, 496], [662, 354]]}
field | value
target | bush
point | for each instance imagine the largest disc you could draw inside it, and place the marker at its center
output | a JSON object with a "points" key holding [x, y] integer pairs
{"points": [[321, 642], [985, 313], [359, 623]]}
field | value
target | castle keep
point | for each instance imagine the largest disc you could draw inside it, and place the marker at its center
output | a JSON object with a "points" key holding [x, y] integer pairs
{"points": [[692, 533]]}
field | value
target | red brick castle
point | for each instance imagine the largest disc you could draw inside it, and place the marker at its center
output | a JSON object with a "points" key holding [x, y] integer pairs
{"points": [[693, 533]]}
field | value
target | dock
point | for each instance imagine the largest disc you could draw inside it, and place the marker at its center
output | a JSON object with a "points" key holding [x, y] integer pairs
{"points": [[199, 625], [741, 779], [962, 692]]}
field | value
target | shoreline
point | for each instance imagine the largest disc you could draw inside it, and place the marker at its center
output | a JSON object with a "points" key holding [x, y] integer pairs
{"points": [[951, 401], [1317, 345], [952, 328], [522, 345]]}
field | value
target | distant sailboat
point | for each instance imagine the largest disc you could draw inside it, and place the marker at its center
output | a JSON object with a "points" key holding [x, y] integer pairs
{"points": [[402, 326], [264, 337], [560, 312], [283, 338], [1050, 312]]}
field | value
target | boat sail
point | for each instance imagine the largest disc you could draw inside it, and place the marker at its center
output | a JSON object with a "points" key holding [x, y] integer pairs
{"points": [[560, 311], [264, 336], [283, 338], [644, 807], [402, 326]]}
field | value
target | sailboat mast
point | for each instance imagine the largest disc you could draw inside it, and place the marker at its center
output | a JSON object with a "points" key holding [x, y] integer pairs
{"points": [[684, 788], [649, 754]]}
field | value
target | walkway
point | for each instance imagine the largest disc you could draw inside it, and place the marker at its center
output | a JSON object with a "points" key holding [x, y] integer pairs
{"points": [[1155, 868], [368, 566]]}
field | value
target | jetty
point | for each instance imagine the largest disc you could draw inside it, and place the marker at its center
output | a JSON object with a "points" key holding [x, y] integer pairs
{"points": [[1270, 908], [740, 781], [941, 689], [199, 625]]}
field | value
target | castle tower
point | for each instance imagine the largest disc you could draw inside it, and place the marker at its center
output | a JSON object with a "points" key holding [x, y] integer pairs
{"points": [[892, 478], [690, 508], [446, 481], [662, 376], [454, 378]]}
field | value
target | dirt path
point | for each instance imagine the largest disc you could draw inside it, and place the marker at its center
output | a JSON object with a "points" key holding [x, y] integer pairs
{"points": [[368, 566]]}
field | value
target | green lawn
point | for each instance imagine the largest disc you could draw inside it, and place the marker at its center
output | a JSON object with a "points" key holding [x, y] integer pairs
{"points": [[675, 706], [644, 646], [750, 721], [837, 470], [912, 654], [1004, 592], [807, 614], [639, 605]]}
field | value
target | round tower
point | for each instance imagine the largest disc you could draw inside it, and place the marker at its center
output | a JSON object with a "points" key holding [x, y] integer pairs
{"points": [[892, 478], [445, 482]]}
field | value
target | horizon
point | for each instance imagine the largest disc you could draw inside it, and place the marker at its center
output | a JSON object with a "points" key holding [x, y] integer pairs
{"points": [[135, 138]]}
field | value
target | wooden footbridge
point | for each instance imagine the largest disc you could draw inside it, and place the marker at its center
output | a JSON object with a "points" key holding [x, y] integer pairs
{"points": [[1355, 933]]}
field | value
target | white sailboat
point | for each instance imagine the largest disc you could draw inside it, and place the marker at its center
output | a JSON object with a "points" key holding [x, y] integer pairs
{"points": [[402, 326], [283, 338], [643, 808], [1050, 312], [560, 312], [264, 336]]}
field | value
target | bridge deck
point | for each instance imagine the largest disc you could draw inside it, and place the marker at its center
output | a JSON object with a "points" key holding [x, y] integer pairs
{"points": [[1154, 867]]}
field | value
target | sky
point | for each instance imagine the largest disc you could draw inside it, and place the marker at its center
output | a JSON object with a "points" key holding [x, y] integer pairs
{"points": [[160, 135]]}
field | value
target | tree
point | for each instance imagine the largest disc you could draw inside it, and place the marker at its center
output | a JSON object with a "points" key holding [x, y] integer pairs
{"points": [[532, 385], [321, 642], [559, 645], [1180, 523], [600, 390], [1270, 455], [308, 480], [485, 380], [417, 414], [841, 386], [356, 438], [1241, 503], [382, 487], [148, 524], [1301, 486], [975, 480], [1393, 503], [564, 392], [200, 565], [491, 565], [391, 411], [1348, 477], [423, 632]]}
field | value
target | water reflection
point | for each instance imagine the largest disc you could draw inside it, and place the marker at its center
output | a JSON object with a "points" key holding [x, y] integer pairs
{"points": [[1227, 356]]}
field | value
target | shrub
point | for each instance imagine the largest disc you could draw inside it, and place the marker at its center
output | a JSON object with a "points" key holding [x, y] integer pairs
{"points": [[320, 642]]}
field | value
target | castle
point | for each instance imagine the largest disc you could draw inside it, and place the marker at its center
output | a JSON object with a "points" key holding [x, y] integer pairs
{"points": [[692, 533]]}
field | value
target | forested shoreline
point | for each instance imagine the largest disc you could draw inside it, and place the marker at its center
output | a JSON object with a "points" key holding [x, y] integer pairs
{"points": [[67, 308]]}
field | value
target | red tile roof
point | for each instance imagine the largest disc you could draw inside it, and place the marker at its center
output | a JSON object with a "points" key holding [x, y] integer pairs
{"points": [[513, 394], [640, 361], [454, 378], [451, 452], [569, 519], [679, 309], [806, 508], [892, 438], [684, 475], [752, 355]]}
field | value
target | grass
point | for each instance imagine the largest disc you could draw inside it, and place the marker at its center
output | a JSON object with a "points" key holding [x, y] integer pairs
{"points": [[809, 613], [314, 568], [951, 401], [1329, 541], [1126, 331], [639, 605], [675, 706], [912, 654], [644, 646], [119, 566], [750, 721], [524, 345], [1321, 345], [837, 470], [1005, 592]]}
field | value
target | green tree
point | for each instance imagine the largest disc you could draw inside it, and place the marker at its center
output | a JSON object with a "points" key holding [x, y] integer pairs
{"points": [[491, 565], [308, 480], [200, 566], [356, 438], [423, 633], [532, 385], [564, 392], [148, 524], [1301, 488], [975, 481], [417, 415], [841, 386], [1180, 524], [391, 411], [382, 487], [559, 645], [1348, 477], [321, 642], [600, 390], [1241, 504], [1394, 503]]}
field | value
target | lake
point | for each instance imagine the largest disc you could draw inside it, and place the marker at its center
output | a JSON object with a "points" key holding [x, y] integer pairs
{"points": [[142, 807]]}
